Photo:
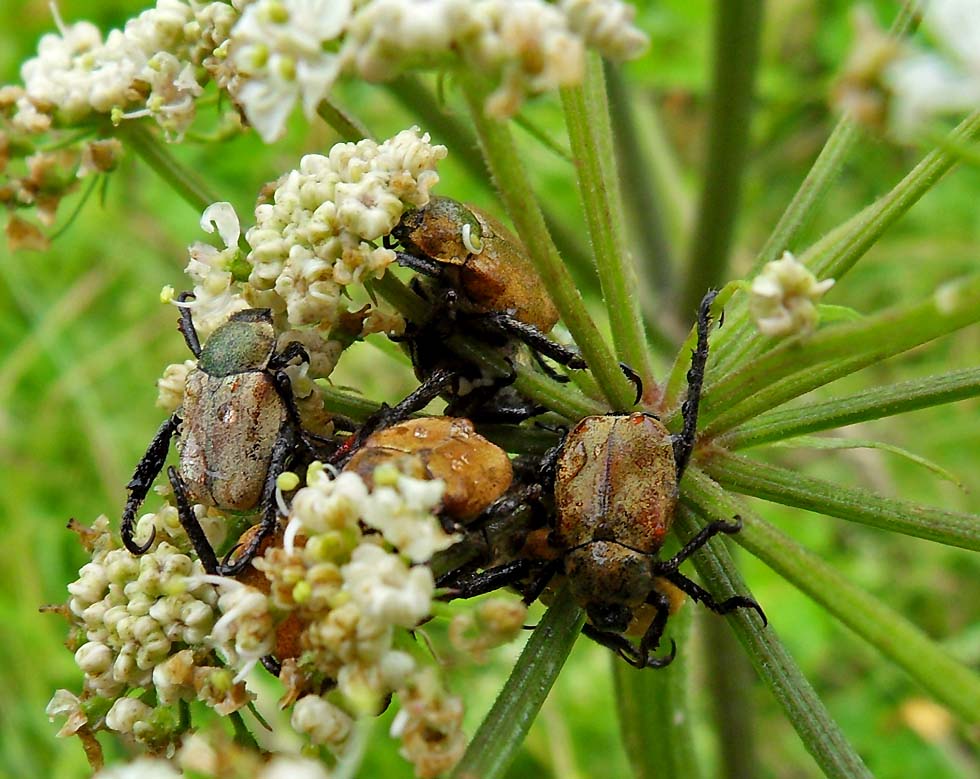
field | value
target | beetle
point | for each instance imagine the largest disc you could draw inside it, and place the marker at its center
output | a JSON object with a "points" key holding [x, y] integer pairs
{"points": [[614, 479], [475, 471], [237, 429], [478, 276]]}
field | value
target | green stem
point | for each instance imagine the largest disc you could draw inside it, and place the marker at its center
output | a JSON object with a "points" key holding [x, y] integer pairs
{"points": [[800, 365], [642, 201], [514, 186], [184, 181], [587, 119], [952, 683], [654, 713], [730, 682], [502, 732], [817, 730], [346, 125], [738, 28], [840, 249], [791, 488], [811, 193], [871, 404]]}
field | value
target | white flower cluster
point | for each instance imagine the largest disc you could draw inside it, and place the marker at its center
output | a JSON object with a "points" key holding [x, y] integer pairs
{"points": [[783, 297], [316, 235], [926, 84], [140, 70], [143, 622], [528, 46]]}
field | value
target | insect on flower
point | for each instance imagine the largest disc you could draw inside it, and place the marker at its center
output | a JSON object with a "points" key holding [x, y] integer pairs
{"points": [[615, 480], [479, 279], [238, 428]]}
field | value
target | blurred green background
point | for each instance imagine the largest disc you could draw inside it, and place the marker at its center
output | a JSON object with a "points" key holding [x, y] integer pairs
{"points": [[83, 339]]}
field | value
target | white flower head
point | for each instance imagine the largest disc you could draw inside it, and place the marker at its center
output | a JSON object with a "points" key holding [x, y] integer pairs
{"points": [[783, 297], [324, 723], [386, 589], [281, 51]]}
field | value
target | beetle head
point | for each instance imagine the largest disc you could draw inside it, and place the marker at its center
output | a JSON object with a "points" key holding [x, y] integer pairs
{"points": [[243, 344], [436, 231]]}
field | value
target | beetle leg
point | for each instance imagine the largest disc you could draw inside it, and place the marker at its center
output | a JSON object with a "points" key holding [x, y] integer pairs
{"points": [[271, 665], [663, 567], [651, 638], [423, 265], [627, 649], [147, 470], [270, 515], [533, 337], [702, 596], [314, 442], [473, 584], [386, 416], [684, 443], [191, 525], [186, 325], [290, 352]]}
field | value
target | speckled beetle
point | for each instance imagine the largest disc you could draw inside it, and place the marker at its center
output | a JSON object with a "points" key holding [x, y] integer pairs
{"points": [[481, 279], [615, 481], [237, 428]]}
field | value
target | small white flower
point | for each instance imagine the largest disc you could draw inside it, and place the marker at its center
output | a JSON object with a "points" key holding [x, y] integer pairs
{"points": [[126, 714], [386, 589], [245, 633], [321, 721], [66, 704], [140, 768], [281, 50], [293, 767], [406, 517], [783, 297], [170, 386]]}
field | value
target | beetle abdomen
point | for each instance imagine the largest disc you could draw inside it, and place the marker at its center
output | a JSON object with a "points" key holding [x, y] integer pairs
{"points": [[230, 427]]}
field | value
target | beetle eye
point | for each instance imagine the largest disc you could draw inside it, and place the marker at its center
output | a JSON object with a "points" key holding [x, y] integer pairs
{"points": [[473, 243]]}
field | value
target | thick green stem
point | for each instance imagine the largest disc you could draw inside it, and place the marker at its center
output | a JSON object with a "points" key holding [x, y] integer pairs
{"points": [[874, 403], [654, 712], [791, 488], [818, 731], [515, 190], [738, 29], [184, 181], [587, 119], [502, 732], [953, 684], [800, 365]]}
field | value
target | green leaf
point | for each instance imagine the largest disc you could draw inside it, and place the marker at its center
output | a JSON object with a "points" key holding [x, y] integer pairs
{"points": [[791, 488], [815, 442], [874, 403], [502, 732], [832, 314]]}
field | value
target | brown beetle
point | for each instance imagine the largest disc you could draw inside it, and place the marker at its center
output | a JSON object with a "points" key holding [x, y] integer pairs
{"points": [[480, 279], [615, 492], [237, 428]]}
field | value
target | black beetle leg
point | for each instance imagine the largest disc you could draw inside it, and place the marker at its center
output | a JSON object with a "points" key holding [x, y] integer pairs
{"points": [[423, 265], [634, 378], [270, 514], [655, 631], [663, 567], [147, 470], [186, 324], [318, 445], [684, 443], [627, 650], [533, 337], [472, 584], [271, 665], [292, 351], [190, 523], [386, 416], [702, 596]]}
